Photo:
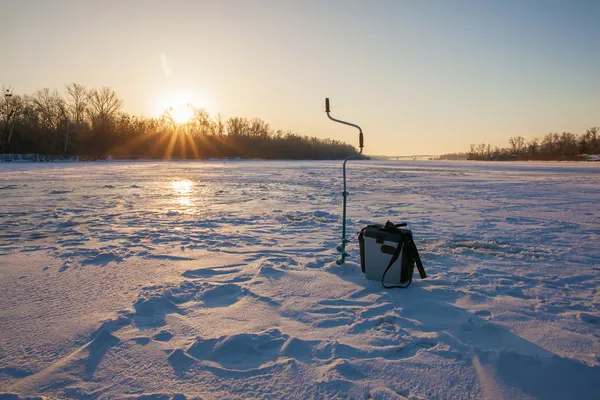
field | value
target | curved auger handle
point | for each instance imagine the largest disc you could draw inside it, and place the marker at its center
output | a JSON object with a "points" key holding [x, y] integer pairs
{"points": [[361, 141]]}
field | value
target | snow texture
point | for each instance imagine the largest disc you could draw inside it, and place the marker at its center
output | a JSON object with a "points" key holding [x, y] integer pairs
{"points": [[187, 280]]}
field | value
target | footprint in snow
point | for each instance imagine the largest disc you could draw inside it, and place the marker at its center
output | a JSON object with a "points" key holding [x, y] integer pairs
{"points": [[163, 336], [483, 314], [589, 318]]}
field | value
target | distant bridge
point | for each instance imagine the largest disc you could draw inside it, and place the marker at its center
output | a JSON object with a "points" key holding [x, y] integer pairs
{"points": [[414, 157]]}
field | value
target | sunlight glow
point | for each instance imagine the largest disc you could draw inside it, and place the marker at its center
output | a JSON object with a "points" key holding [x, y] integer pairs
{"points": [[183, 191], [182, 113], [182, 187], [181, 104]]}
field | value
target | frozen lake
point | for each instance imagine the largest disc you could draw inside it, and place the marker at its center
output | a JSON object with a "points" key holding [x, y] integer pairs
{"points": [[217, 280]]}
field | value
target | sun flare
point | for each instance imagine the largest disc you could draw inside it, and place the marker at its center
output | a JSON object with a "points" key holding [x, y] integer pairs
{"points": [[181, 105], [181, 113]]}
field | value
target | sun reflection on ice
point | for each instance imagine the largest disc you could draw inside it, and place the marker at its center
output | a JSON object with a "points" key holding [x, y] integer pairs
{"points": [[183, 188]]}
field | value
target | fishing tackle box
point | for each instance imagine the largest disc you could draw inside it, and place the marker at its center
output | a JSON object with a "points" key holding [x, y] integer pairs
{"points": [[388, 254]]}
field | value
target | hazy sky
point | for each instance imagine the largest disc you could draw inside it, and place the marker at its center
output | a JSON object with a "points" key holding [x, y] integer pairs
{"points": [[420, 77]]}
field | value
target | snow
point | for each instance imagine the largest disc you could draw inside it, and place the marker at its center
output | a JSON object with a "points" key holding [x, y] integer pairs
{"points": [[182, 280]]}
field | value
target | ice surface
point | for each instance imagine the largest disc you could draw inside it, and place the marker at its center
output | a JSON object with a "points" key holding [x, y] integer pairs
{"points": [[217, 279]]}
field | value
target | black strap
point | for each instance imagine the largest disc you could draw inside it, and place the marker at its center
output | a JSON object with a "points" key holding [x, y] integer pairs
{"points": [[422, 273], [392, 261]]}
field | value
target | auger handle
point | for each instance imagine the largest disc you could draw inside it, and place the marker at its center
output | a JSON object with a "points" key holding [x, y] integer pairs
{"points": [[361, 141]]}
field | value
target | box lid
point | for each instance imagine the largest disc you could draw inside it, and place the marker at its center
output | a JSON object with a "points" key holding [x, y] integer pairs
{"points": [[386, 234]]}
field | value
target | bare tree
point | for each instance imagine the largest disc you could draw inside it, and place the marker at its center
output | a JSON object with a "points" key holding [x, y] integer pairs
{"points": [[481, 150], [103, 105], [547, 146], [590, 141], [497, 152], [201, 122], [44, 103], [517, 144], [258, 128], [10, 108], [52, 112], [568, 144], [237, 126], [219, 125], [533, 147], [166, 118], [77, 101], [472, 147]]}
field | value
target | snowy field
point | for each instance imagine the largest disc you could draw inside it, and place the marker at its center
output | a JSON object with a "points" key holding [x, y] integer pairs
{"points": [[217, 280]]}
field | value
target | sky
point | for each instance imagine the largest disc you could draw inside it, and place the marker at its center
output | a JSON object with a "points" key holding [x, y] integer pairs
{"points": [[419, 77]]}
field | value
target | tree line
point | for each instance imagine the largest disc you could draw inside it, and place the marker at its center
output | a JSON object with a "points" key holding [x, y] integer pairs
{"points": [[553, 146], [91, 123]]}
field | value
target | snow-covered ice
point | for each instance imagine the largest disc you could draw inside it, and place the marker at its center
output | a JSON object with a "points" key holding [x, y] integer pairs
{"points": [[181, 280]]}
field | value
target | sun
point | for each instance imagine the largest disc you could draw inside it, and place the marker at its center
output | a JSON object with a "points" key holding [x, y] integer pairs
{"points": [[182, 113], [181, 104]]}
